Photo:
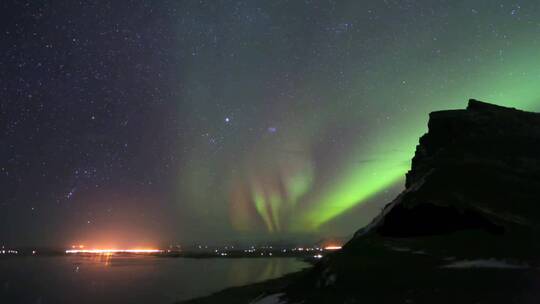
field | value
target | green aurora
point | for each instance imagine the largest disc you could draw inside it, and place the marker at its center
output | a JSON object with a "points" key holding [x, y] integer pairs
{"points": [[339, 128], [250, 121]]}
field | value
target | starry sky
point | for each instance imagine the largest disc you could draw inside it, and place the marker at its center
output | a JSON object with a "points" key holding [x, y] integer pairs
{"points": [[146, 122]]}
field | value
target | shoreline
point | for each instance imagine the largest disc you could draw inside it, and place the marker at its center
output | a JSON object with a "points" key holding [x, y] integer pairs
{"points": [[248, 293]]}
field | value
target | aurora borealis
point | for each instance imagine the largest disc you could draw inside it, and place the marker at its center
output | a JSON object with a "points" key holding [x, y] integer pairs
{"points": [[233, 120]]}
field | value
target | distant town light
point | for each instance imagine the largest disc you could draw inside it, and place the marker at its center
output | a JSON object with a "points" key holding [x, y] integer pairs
{"points": [[332, 248], [111, 251]]}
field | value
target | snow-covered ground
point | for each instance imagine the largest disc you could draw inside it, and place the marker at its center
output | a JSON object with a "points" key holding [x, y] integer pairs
{"points": [[488, 263], [270, 299]]}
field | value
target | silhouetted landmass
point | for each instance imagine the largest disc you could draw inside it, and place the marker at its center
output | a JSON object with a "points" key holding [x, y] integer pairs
{"points": [[465, 229]]}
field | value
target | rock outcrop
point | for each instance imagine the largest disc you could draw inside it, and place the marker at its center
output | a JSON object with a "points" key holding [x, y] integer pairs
{"points": [[465, 229], [477, 168]]}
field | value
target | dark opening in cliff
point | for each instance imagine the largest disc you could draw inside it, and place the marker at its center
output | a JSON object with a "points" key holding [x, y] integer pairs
{"points": [[430, 219]]}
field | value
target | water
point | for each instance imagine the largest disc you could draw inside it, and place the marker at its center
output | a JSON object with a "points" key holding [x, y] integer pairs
{"points": [[129, 279]]}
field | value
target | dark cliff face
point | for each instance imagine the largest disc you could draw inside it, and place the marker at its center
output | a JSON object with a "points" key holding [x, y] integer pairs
{"points": [[499, 137], [472, 196], [477, 168]]}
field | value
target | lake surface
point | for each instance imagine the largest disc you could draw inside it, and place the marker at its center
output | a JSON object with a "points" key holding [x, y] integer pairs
{"points": [[129, 279]]}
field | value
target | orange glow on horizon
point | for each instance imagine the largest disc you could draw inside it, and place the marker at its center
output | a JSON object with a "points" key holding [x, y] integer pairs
{"points": [[332, 248], [113, 251]]}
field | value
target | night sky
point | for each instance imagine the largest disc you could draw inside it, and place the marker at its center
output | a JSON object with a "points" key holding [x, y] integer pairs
{"points": [[149, 122]]}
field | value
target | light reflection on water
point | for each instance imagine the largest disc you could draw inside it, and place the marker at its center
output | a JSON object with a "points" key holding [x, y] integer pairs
{"points": [[129, 279]]}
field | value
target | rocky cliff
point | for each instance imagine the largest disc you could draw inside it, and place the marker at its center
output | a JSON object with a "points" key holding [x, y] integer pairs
{"points": [[465, 229], [477, 168]]}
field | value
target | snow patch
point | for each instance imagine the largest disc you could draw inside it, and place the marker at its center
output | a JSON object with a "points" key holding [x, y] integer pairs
{"points": [[489, 263], [328, 278], [400, 249], [404, 249], [270, 299]]}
